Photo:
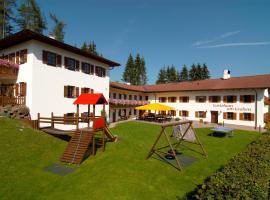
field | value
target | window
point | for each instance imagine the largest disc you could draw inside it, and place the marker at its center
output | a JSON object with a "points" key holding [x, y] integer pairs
{"points": [[200, 99], [172, 112], [247, 98], [51, 58], [71, 91], [214, 99], [146, 98], [230, 99], [11, 57], [247, 116], [20, 89], [100, 71], [114, 95], [183, 113], [135, 97], [140, 98], [229, 115], [125, 96], [135, 112], [130, 97], [184, 99], [200, 114], [172, 99], [162, 99], [87, 68], [72, 64], [85, 90], [119, 96]]}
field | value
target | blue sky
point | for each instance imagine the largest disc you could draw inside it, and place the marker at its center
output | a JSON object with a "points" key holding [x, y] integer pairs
{"points": [[233, 34]]}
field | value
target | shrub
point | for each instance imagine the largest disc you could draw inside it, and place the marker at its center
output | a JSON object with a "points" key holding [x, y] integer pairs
{"points": [[246, 176]]}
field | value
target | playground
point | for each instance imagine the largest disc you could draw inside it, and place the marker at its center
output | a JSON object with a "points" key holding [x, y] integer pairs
{"points": [[120, 172]]}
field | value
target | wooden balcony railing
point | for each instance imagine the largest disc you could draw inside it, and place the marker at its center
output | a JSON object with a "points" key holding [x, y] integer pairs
{"points": [[8, 72], [6, 100], [266, 101]]}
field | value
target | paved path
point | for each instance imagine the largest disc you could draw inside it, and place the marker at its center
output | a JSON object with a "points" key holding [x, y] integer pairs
{"points": [[197, 124]]}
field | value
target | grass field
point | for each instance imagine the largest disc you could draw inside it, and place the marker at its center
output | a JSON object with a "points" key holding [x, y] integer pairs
{"points": [[121, 172]]}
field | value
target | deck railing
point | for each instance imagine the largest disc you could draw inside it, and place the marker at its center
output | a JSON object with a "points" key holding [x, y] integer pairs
{"points": [[7, 100], [8, 72]]}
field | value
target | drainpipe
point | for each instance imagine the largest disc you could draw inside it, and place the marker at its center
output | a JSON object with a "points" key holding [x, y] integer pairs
{"points": [[256, 108]]}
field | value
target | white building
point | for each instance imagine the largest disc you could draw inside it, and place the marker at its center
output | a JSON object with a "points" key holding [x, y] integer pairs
{"points": [[52, 74], [229, 100]]}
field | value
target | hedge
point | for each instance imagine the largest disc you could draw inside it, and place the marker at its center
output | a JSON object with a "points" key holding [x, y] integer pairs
{"points": [[246, 176]]}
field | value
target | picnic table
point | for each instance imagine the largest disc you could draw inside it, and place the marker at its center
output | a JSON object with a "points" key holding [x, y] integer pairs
{"points": [[227, 131]]}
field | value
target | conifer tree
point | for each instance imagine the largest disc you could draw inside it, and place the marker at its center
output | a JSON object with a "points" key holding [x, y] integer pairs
{"points": [[7, 17], [143, 72], [58, 30], [193, 73], [30, 17], [128, 75], [162, 76], [137, 69], [183, 74], [205, 72], [198, 72]]}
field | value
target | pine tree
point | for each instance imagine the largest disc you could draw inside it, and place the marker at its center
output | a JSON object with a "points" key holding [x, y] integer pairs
{"points": [[143, 73], [90, 48], [192, 73], [128, 75], [84, 47], [30, 17], [162, 76], [205, 72], [137, 69], [184, 74], [172, 76], [7, 17], [198, 72], [58, 30]]}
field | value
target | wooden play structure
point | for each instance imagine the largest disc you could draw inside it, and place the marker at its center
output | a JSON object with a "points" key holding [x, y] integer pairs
{"points": [[182, 132], [81, 138]]}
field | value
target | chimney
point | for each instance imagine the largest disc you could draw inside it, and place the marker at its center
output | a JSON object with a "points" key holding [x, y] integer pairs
{"points": [[226, 74]]}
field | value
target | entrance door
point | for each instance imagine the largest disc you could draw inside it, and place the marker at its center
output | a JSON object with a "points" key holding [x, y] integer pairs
{"points": [[214, 117], [114, 116]]}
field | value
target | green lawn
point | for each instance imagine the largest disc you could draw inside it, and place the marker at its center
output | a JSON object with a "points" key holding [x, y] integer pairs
{"points": [[121, 172]]}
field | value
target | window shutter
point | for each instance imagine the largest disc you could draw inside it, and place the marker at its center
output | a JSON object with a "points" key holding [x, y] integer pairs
{"points": [[180, 113], [58, 60], [197, 114], [82, 90], [252, 98], [77, 91], [65, 91], [234, 116], [23, 56], [224, 115], [204, 114], [210, 98], [241, 116], [187, 113], [234, 99], [66, 62], [219, 98], [181, 100], [17, 57], [241, 98], [252, 117], [23, 89], [225, 99], [45, 57], [77, 65], [92, 91]]}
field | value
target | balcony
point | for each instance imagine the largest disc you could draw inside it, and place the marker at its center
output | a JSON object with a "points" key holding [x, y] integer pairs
{"points": [[124, 102], [266, 101], [8, 70]]}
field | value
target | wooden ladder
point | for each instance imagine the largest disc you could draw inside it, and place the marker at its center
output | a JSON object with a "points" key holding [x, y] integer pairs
{"points": [[77, 147]]}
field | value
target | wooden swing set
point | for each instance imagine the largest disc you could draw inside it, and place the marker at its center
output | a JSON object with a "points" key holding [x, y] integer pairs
{"points": [[182, 132]]}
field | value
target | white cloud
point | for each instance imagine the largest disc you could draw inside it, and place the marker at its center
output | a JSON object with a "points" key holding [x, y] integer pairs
{"points": [[220, 37], [236, 44]]}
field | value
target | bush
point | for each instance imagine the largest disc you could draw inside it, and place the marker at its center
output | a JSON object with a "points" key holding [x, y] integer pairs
{"points": [[246, 176]]}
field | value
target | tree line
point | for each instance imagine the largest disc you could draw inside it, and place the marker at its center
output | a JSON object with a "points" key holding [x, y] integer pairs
{"points": [[18, 15], [170, 74]]}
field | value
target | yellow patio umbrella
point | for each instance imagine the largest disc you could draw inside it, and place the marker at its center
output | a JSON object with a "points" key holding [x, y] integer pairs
{"points": [[155, 106]]}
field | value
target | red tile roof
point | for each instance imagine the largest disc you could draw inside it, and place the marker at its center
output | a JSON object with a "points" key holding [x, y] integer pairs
{"points": [[26, 35], [244, 82]]}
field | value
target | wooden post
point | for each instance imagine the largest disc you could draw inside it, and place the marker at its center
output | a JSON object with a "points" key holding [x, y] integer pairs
{"points": [[88, 116], [94, 110], [52, 120], [103, 131], [77, 118], [38, 121]]}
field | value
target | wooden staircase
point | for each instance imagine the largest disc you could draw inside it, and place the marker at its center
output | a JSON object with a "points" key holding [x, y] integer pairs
{"points": [[77, 147]]}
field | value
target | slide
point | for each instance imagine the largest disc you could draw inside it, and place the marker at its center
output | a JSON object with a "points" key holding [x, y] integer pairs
{"points": [[109, 134]]}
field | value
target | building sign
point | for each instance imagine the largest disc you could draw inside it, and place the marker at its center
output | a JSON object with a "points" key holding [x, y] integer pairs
{"points": [[232, 108]]}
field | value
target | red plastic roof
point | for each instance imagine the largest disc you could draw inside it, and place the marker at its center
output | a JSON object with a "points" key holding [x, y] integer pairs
{"points": [[91, 99]]}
